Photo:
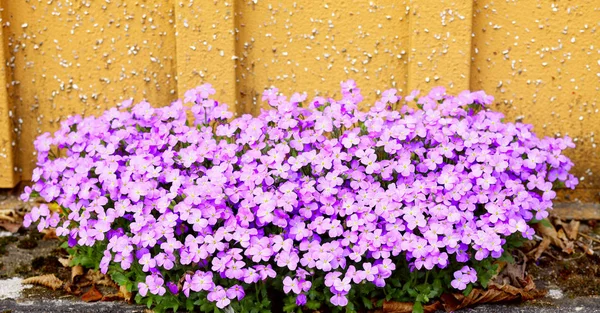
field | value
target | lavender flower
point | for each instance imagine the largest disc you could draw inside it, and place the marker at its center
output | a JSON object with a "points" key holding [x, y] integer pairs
{"points": [[313, 188]]}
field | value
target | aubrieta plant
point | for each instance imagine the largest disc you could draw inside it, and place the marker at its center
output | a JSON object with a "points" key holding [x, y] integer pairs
{"points": [[312, 205]]}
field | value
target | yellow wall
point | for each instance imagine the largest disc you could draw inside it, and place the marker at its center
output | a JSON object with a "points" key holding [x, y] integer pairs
{"points": [[540, 59]]}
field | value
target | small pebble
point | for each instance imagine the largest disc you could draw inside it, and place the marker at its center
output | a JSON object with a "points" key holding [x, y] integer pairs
{"points": [[555, 294]]}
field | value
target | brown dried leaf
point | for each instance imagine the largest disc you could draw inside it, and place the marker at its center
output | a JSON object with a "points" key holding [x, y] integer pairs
{"points": [[572, 229], [112, 297], [494, 293], [96, 277], [515, 274], [123, 294], [407, 307], [397, 307], [12, 209], [72, 289], [569, 247], [76, 273], [10, 226], [546, 229], [66, 262], [561, 234], [537, 252], [126, 294], [92, 295], [48, 280], [49, 234]]}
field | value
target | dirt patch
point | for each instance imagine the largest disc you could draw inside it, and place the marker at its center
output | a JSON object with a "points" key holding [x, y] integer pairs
{"points": [[5, 241], [38, 256], [30, 241], [46, 264], [576, 276]]}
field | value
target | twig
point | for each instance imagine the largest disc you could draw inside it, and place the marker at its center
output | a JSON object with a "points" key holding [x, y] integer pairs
{"points": [[589, 237], [575, 258]]}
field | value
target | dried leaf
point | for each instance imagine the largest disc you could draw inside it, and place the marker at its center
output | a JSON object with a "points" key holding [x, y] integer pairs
{"points": [[494, 293], [112, 297], [572, 229], [96, 277], [537, 252], [515, 274], [561, 234], [49, 234], [92, 295], [547, 231], [123, 294], [48, 280], [407, 307], [126, 294], [397, 307], [72, 289], [76, 273], [66, 262], [10, 226], [12, 209]]}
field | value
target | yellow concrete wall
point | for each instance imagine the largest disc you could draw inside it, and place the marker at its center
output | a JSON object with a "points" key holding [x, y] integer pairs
{"points": [[540, 59]]}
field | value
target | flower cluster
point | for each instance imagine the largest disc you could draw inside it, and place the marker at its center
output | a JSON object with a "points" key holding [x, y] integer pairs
{"points": [[306, 189]]}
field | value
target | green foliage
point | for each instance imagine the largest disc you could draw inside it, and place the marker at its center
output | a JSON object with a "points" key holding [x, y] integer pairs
{"points": [[419, 286]]}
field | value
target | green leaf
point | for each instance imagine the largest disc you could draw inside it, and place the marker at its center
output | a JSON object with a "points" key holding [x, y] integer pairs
{"points": [[468, 290], [546, 223], [350, 308], [289, 307], [313, 305], [189, 304], [367, 303], [412, 292], [119, 278], [418, 307]]}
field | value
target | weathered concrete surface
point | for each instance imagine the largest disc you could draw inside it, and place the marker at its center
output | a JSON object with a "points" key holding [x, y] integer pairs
{"points": [[584, 305], [59, 306]]}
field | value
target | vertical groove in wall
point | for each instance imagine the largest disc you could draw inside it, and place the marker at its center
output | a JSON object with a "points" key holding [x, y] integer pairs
{"points": [[440, 44], [540, 60], [8, 177], [206, 47], [311, 46]]}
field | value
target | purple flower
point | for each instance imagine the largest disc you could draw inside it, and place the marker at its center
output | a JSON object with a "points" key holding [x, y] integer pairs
{"points": [[219, 295], [317, 188], [290, 284], [236, 292], [339, 299], [301, 299]]}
